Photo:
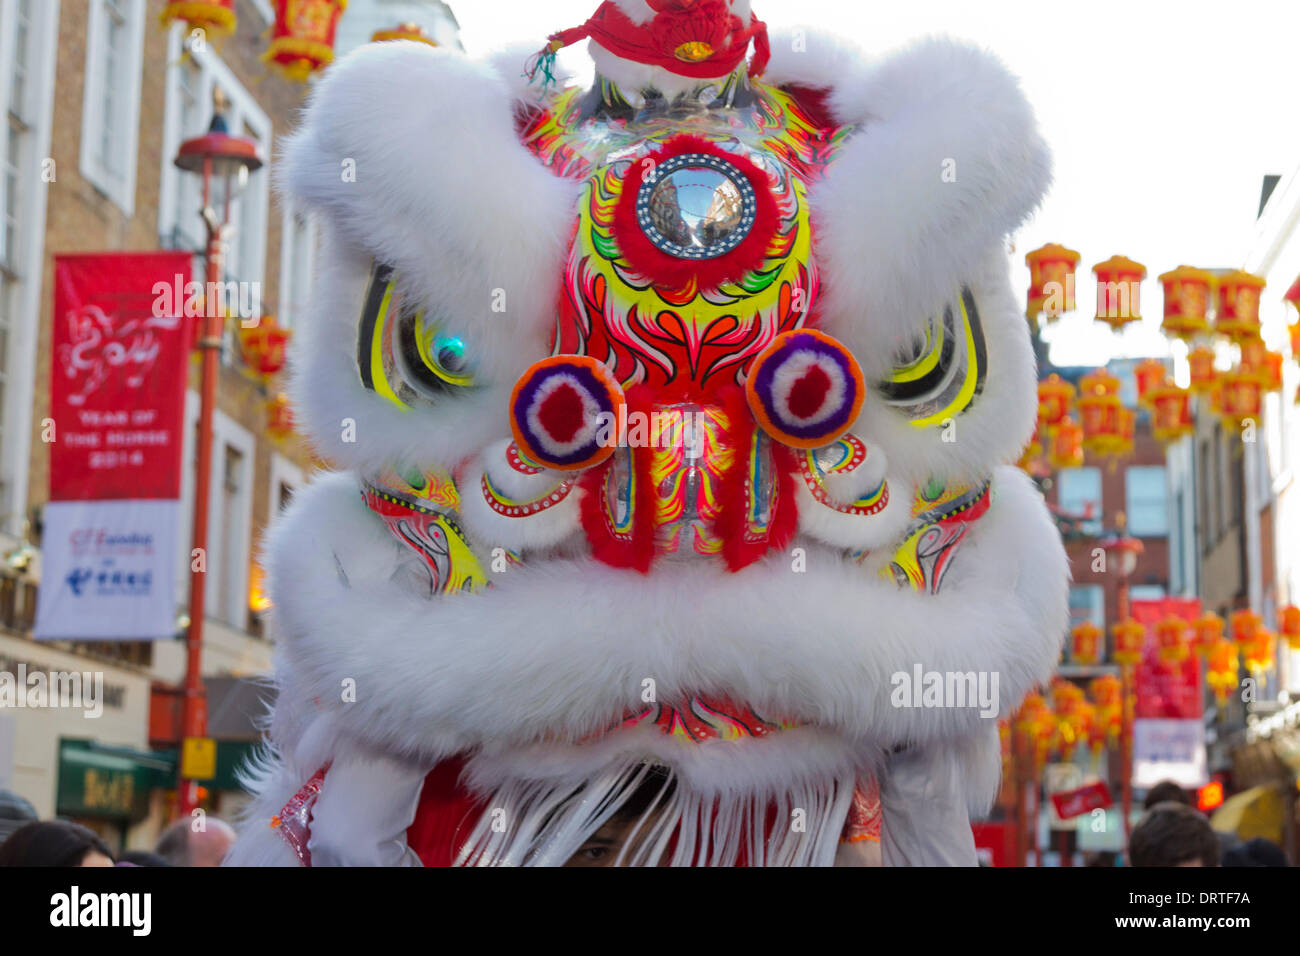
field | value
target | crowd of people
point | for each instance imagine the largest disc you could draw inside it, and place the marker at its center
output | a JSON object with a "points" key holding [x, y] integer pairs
{"points": [[26, 840], [1172, 832]]}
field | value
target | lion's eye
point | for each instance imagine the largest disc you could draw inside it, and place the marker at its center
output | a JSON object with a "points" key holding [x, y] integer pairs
{"points": [[431, 361], [405, 355], [943, 374]]}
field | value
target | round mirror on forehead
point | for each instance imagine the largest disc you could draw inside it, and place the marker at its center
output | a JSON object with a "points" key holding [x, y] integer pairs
{"points": [[696, 206]]}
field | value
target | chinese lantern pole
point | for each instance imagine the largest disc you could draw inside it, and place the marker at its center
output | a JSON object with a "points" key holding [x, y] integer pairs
{"points": [[194, 717]]}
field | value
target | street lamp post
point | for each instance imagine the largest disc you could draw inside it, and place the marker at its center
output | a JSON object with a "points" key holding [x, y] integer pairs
{"points": [[224, 162], [1121, 557]]}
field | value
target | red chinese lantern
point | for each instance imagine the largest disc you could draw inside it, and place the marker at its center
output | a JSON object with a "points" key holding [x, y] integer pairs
{"points": [[303, 39], [1171, 640], [1239, 397], [1054, 397], [1237, 314], [1107, 695], [212, 16], [1065, 694], [263, 346], [1085, 643], [279, 417], [1293, 296], [1065, 449], [1265, 365], [403, 31], [1289, 617], [1259, 653], [1171, 413], [1148, 373], [1051, 281], [1119, 285], [1187, 301], [1245, 626], [1101, 408], [1273, 376], [1074, 719], [1207, 631], [1106, 690], [1221, 669], [1036, 725], [1200, 362], [1128, 635]]}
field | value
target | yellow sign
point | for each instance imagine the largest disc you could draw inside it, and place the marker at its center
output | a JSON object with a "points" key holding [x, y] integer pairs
{"points": [[198, 758]]}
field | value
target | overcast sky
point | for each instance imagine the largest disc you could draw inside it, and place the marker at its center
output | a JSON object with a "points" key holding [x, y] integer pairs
{"points": [[1164, 117]]}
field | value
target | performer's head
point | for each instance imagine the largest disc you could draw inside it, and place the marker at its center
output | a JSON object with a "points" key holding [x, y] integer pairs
{"points": [[1173, 834], [625, 832]]}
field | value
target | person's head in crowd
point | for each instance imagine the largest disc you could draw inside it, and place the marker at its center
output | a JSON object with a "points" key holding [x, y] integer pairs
{"points": [[1166, 791], [15, 811], [55, 843], [1256, 852], [182, 845], [1173, 834], [142, 858]]}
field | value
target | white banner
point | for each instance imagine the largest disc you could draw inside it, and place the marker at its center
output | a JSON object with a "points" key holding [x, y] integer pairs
{"points": [[108, 571], [1168, 749]]}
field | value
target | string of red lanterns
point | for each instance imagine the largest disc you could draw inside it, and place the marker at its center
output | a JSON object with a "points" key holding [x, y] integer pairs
{"points": [[302, 36]]}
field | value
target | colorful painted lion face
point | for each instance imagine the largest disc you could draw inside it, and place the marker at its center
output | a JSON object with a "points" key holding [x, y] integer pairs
{"points": [[679, 408]]}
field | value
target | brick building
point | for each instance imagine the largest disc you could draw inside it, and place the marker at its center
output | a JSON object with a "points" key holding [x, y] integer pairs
{"points": [[99, 97]]}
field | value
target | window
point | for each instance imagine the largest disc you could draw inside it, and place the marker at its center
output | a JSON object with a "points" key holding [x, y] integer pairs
{"points": [[191, 83], [1080, 495], [110, 112], [1146, 500], [230, 514], [1146, 592], [1087, 603], [297, 252], [1221, 481], [27, 54], [231, 560], [286, 479]]}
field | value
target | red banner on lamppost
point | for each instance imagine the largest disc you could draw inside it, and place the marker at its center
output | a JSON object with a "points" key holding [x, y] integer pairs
{"points": [[117, 399]]}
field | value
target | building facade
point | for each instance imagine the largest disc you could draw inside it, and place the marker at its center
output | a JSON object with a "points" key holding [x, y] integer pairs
{"points": [[99, 98]]}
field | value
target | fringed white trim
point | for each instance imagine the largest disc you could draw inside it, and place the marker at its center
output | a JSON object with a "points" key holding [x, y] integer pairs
{"points": [[544, 823]]}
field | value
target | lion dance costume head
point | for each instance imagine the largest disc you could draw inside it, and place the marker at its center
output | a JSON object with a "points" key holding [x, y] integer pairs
{"points": [[674, 417]]}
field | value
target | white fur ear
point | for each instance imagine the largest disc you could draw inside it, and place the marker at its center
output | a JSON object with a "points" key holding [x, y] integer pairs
{"points": [[811, 56], [946, 161], [410, 157]]}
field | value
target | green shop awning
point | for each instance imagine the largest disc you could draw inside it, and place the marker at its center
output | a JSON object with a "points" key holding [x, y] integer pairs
{"points": [[97, 780]]}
